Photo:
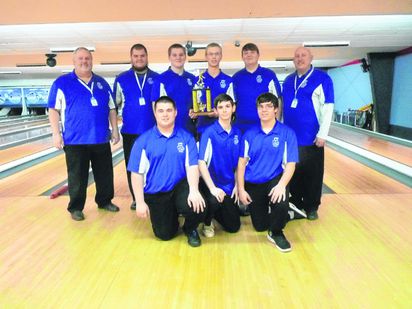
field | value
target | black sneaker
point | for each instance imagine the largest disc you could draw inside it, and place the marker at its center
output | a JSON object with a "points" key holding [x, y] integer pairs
{"points": [[296, 213], [77, 215], [110, 207], [280, 241], [193, 239], [313, 215], [133, 205]]}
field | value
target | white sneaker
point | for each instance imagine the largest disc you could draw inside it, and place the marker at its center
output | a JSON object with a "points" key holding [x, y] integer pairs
{"points": [[208, 230]]}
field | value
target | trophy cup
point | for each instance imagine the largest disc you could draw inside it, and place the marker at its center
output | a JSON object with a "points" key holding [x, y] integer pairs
{"points": [[202, 98]]}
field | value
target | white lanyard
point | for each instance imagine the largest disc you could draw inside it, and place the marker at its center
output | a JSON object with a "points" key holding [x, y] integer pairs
{"points": [[138, 83], [296, 80], [87, 87]]}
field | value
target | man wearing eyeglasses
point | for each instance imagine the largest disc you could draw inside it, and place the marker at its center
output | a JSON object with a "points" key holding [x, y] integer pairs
{"points": [[267, 161]]}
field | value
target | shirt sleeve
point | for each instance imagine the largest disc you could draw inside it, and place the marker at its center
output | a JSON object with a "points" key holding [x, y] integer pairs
{"points": [[244, 147], [205, 148], [192, 155], [326, 109], [52, 101], [138, 161], [291, 150]]}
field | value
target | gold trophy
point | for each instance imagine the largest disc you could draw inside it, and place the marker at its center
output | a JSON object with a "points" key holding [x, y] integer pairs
{"points": [[202, 98]]}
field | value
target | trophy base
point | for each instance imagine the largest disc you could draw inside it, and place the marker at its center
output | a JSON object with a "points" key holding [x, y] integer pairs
{"points": [[211, 113]]}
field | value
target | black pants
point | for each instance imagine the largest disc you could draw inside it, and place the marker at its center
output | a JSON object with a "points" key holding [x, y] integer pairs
{"points": [[264, 214], [166, 206], [226, 213], [78, 158], [128, 142], [306, 183]]}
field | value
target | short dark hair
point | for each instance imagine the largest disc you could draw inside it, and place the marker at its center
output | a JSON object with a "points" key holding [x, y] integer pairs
{"points": [[267, 97], [164, 99], [251, 47], [175, 45], [223, 97], [138, 46]]}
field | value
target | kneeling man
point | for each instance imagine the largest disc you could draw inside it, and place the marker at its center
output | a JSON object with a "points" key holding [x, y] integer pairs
{"points": [[165, 176], [267, 161]]}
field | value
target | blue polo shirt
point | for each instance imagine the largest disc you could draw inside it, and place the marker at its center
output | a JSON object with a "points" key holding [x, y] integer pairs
{"points": [[179, 88], [84, 116], [137, 112], [222, 83], [268, 153], [163, 160], [247, 87], [315, 98], [220, 150]]}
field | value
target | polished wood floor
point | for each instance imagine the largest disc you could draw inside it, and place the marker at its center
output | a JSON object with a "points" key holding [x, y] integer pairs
{"points": [[357, 255], [396, 152]]}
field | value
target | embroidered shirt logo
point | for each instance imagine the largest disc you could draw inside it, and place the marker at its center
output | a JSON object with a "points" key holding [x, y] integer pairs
{"points": [[99, 85], [303, 84], [259, 79], [222, 83], [180, 147], [236, 140], [189, 82], [275, 142], [150, 80]]}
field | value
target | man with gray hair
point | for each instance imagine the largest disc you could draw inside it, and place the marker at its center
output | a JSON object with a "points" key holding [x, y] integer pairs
{"points": [[308, 107], [83, 102]]}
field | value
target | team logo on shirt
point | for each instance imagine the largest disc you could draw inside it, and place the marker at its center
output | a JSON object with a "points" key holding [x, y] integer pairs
{"points": [[304, 83], [99, 85], [222, 83], [259, 79], [150, 80], [189, 82], [236, 140], [275, 142], [180, 147]]}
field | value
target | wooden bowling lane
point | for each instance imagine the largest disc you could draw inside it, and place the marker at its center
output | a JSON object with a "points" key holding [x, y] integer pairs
{"points": [[345, 175], [39, 178], [6, 127], [357, 255], [20, 151], [397, 152]]}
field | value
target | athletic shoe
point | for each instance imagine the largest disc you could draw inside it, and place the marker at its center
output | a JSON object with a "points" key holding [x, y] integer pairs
{"points": [[193, 239], [110, 207], [77, 215], [208, 230], [313, 215], [296, 213], [280, 241]]}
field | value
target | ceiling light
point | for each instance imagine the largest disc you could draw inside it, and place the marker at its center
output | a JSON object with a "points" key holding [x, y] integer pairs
{"points": [[69, 49], [10, 72], [326, 44], [115, 63], [30, 65]]}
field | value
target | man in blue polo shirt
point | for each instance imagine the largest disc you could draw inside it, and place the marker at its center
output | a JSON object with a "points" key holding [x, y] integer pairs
{"points": [[165, 176], [133, 90], [308, 108], [218, 157], [177, 84], [214, 79], [83, 101], [267, 161], [249, 83]]}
